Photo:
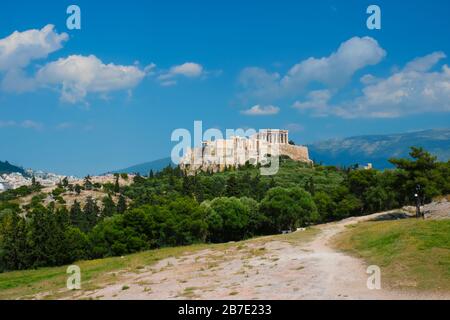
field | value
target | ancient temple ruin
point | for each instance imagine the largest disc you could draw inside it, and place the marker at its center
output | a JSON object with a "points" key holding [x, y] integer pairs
{"points": [[219, 154]]}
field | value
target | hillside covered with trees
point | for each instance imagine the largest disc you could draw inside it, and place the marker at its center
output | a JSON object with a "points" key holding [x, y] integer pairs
{"points": [[170, 208]]}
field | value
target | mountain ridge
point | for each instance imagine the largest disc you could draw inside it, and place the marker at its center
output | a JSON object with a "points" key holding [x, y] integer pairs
{"points": [[144, 168], [378, 149], [6, 167]]}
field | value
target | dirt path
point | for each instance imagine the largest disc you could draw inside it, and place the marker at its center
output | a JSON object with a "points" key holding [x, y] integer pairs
{"points": [[259, 269]]}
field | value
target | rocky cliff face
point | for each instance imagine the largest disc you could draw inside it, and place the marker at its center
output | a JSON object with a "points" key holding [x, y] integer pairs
{"points": [[297, 153]]}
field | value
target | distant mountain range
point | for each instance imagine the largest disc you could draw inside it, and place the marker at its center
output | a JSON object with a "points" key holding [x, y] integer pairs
{"points": [[144, 168], [6, 167], [378, 149], [375, 149]]}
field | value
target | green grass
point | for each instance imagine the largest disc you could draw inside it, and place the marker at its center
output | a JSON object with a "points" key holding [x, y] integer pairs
{"points": [[412, 254], [50, 283]]}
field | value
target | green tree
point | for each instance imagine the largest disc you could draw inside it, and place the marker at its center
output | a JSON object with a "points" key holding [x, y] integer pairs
{"points": [[78, 189], [77, 245], [109, 207], [117, 185], [77, 217], [91, 212], [228, 219], [422, 170], [232, 188], [121, 204], [88, 182], [14, 249], [288, 209]]}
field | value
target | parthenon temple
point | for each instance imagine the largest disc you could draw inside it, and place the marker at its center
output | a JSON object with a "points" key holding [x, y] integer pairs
{"points": [[237, 150]]}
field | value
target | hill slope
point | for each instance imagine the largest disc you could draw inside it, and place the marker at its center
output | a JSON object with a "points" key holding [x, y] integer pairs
{"points": [[144, 168], [377, 149], [6, 167]]}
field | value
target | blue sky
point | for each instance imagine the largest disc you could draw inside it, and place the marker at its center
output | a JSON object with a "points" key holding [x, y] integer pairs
{"points": [[109, 95]]}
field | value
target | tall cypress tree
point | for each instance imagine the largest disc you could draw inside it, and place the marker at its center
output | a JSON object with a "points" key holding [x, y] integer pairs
{"points": [[77, 217], [91, 213], [117, 185]]}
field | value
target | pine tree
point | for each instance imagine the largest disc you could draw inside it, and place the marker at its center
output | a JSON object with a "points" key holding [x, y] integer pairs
{"points": [[14, 245], [77, 189], [44, 238], [87, 183], [109, 207], [151, 175], [121, 204], [65, 182]]}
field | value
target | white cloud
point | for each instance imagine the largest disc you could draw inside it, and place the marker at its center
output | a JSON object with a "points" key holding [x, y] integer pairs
{"points": [[16, 80], [414, 89], [187, 69], [317, 102], [19, 48], [30, 124], [26, 124], [423, 64], [77, 75], [150, 69], [333, 71], [258, 110], [338, 68], [64, 125], [294, 127]]}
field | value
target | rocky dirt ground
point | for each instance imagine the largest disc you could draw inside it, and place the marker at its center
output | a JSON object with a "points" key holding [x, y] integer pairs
{"points": [[438, 209], [260, 269]]}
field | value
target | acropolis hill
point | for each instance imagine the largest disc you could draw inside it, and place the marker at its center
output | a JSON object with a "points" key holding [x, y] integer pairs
{"points": [[223, 153]]}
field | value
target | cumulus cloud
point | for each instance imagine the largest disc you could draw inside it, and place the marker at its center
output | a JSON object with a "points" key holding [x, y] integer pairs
{"points": [[317, 102], [258, 110], [187, 69], [333, 71], [20, 48], [412, 90], [423, 64], [76, 76]]}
